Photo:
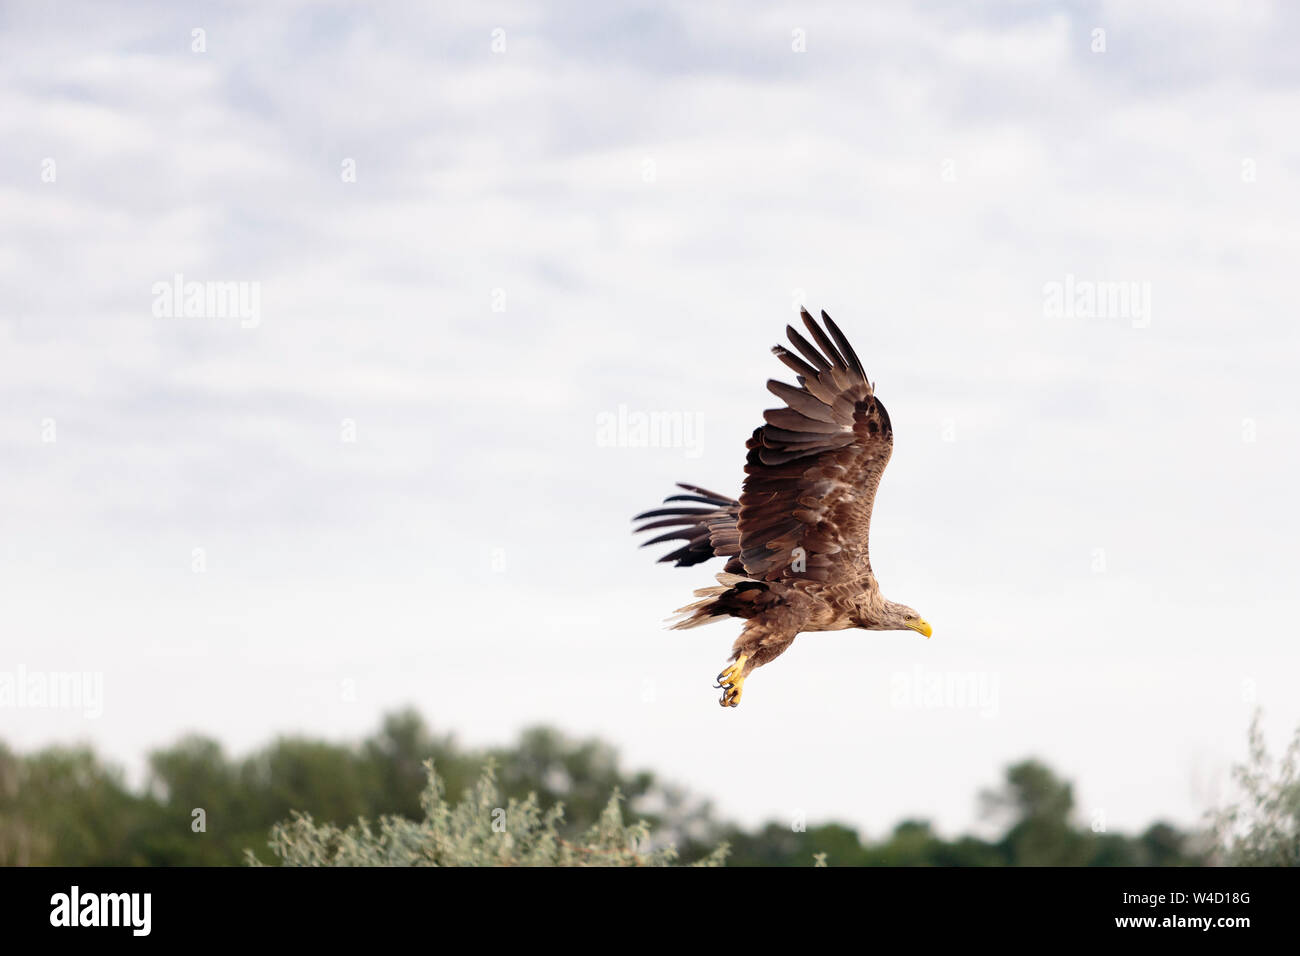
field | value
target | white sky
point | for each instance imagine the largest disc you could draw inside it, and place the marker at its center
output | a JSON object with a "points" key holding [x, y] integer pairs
{"points": [[653, 188]]}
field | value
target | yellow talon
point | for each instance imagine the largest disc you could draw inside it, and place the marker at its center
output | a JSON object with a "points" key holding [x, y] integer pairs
{"points": [[732, 682]]}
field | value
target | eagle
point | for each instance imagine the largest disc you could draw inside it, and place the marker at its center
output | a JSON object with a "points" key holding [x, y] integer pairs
{"points": [[795, 544]]}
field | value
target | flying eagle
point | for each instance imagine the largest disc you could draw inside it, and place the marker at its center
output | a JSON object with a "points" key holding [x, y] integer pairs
{"points": [[795, 543]]}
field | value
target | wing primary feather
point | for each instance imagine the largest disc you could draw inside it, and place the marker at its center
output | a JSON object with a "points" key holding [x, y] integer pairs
{"points": [[822, 340], [721, 499], [688, 520], [683, 534], [806, 347], [659, 512], [793, 362], [842, 341]]}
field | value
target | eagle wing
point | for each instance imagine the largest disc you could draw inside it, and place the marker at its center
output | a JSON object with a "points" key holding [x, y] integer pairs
{"points": [[707, 531], [813, 469]]}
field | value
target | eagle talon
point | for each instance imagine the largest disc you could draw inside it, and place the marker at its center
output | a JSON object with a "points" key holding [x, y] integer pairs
{"points": [[732, 682]]}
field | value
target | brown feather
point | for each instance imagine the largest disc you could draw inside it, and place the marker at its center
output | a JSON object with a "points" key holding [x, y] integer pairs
{"points": [[825, 481]]}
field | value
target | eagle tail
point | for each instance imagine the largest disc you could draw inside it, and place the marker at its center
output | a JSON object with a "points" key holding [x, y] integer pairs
{"points": [[737, 596]]}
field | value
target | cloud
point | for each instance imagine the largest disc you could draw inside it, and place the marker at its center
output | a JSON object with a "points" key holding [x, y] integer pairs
{"points": [[622, 209]]}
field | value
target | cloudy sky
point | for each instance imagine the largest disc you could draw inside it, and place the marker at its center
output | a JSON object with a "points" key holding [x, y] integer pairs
{"points": [[471, 236]]}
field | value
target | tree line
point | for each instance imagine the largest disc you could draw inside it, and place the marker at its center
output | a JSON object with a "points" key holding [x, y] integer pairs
{"points": [[199, 806]]}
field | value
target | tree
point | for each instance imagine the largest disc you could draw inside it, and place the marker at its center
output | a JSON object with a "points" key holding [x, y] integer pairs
{"points": [[1037, 807], [63, 805]]}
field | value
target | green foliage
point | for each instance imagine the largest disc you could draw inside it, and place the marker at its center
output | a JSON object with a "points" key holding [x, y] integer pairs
{"points": [[1034, 807], [64, 806], [483, 829], [1037, 808], [1263, 829], [83, 807]]}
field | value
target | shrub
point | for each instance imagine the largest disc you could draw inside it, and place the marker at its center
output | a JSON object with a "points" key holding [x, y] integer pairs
{"points": [[480, 830], [1264, 828]]}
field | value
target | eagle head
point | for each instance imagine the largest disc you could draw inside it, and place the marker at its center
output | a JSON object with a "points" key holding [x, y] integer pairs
{"points": [[898, 617]]}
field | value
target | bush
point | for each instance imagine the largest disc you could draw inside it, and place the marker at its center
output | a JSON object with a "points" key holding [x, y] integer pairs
{"points": [[1264, 828], [478, 831]]}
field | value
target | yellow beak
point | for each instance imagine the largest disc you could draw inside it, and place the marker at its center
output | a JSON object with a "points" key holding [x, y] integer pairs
{"points": [[921, 626]]}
